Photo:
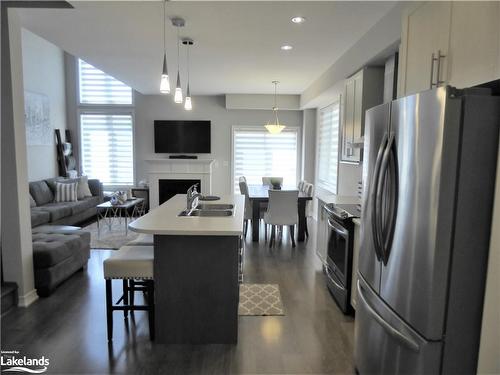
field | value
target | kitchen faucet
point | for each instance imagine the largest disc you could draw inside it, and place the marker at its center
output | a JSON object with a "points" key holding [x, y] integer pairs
{"points": [[192, 197]]}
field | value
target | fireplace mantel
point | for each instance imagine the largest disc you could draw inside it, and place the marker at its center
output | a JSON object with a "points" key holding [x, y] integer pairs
{"points": [[164, 169]]}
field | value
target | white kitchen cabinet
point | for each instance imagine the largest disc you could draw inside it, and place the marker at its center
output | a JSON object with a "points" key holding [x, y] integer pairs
{"points": [[321, 232], [362, 91], [424, 48], [355, 256], [474, 43], [454, 43]]}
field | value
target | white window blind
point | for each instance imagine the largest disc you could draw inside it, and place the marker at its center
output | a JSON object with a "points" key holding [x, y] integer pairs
{"points": [[257, 153], [107, 148], [328, 142], [96, 87]]}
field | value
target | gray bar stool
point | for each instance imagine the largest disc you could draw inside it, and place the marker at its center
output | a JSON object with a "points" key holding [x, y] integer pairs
{"points": [[130, 263]]}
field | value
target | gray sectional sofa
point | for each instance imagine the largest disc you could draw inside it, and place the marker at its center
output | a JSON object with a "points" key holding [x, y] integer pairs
{"points": [[46, 211], [59, 250]]}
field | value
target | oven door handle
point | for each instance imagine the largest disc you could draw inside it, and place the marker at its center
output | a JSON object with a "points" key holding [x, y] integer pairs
{"points": [[337, 228], [341, 287]]}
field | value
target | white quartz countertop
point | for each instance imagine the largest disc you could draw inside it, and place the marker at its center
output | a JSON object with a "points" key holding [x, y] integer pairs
{"points": [[337, 199], [164, 220]]}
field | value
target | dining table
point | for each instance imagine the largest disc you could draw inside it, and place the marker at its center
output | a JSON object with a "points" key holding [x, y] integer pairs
{"points": [[259, 194]]}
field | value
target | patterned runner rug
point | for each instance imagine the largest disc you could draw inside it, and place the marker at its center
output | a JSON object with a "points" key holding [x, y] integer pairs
{"points": [[260, 300]]}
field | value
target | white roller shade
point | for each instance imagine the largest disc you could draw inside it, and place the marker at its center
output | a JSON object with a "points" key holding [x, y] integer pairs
{"points": [[328, 143], [96, 87], [107, 148], [257, 153]]}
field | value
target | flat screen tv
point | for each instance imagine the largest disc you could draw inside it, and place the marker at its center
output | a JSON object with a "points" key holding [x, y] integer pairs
{"points": [[180, 137]]}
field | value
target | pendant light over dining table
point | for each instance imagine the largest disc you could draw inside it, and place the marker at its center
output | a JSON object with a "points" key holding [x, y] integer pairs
{"points": [[164, 81], [276, 127]]}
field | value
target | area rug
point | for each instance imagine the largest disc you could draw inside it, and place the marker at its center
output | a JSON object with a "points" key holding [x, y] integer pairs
{"points": [[260, 300], [113, 238]]}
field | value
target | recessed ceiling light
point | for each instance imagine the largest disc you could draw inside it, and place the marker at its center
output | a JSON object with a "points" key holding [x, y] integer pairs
{"points": [[298, 19], [286, 47]]}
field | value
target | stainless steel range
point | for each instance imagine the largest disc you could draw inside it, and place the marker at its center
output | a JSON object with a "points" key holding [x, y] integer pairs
{"points": [[338, 267]]}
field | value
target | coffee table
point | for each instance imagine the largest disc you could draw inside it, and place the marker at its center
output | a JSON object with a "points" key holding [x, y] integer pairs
{"points": [[110, 211]]}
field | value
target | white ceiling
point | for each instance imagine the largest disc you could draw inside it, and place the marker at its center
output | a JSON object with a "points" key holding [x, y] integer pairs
{"points": [[237, 44]]}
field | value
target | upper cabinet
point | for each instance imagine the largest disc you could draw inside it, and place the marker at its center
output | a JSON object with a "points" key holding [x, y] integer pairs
{"points": [[362, 91], [454, 43]]}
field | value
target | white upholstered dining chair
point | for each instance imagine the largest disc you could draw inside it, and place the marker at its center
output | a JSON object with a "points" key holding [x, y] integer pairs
{"points": [[282, 210]]}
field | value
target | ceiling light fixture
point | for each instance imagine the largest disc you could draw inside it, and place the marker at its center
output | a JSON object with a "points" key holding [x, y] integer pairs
{"points": [[178, 22], [275, 128], [286, 47], [164, 81], [188, 105], [298, 19]]}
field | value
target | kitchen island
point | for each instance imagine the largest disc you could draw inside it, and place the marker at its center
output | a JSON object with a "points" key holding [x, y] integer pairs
{"points": [[196, 266]]}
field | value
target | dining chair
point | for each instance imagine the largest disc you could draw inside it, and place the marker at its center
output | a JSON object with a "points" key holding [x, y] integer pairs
{"points": [[267, 180], [248, 207], [282, 210], [309, 191], [300, 186]]}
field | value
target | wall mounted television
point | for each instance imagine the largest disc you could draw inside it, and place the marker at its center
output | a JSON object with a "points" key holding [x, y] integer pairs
{"points": [[180, 137]]}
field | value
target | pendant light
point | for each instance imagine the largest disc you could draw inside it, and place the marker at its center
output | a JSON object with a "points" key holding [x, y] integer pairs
{"points": [[188, 105], [165, 81], [275, 128], [178, 22]]}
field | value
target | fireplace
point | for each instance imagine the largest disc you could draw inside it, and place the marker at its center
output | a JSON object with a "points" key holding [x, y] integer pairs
{"points": [[172, 170], [170, 187]]}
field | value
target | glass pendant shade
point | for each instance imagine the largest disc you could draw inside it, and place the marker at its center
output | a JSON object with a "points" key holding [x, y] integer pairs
{"points": [[187, 104], [165, 81], [178, 90], [274, 128]]}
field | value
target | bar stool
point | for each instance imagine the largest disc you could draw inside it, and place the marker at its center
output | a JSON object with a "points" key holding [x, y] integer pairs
{"points": [[130, 263]]}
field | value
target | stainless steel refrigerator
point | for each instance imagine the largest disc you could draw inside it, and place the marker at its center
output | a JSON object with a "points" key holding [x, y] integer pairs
{"points": [[429, 176]]}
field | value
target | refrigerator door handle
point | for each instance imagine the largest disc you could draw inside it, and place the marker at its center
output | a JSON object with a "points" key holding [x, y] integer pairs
{"points": [[373, 201], [379, 223], [407, 341], [393, 204]]}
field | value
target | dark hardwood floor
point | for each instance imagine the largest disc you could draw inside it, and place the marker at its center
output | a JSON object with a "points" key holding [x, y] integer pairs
{"points": [[69, 327]]}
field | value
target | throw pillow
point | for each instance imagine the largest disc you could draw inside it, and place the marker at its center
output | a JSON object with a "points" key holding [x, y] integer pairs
{"points": [[83, 188], [32, 202], [66, 192]]}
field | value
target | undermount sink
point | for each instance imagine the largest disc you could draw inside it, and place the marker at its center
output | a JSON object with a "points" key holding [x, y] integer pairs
{"points": [[207, 206], [207, 213]]}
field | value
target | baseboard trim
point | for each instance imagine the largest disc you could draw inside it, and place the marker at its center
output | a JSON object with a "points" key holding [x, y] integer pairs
{"points": [[28, 298]]}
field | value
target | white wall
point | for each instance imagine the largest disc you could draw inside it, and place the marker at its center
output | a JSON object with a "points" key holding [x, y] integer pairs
{"points": [[158, 107], [17, 251], [43, 71]]}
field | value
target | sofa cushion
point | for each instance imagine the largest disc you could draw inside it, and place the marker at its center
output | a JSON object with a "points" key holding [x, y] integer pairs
{"points": [[66, 192], [52, 248], [39, 217], [57, 210], [83, 189], [41, 192], [83, 205], [32, 202]]}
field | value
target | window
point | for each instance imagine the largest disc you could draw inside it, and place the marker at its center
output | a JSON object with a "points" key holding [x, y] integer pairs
{"points": [[96, 87], [106, 127], [107, 148], [328, 145], [258, 153]]}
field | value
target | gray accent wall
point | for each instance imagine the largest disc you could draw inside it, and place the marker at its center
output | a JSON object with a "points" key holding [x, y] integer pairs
{"points": [[158, 107]]}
